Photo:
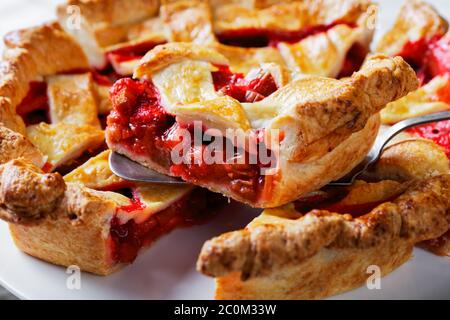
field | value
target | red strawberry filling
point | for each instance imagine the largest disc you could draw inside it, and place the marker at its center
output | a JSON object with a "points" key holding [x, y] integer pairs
{"points": [[128, 238], [430, 59], [439, 132], [140, 125], [34, 107], [132, 52], [236, 86]]}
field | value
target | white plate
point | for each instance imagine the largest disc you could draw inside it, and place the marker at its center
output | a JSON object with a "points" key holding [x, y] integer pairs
{"points": [[167, 270]]}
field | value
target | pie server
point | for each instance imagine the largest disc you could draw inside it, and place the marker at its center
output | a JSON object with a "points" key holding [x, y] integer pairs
{"points": [[133, 171]]}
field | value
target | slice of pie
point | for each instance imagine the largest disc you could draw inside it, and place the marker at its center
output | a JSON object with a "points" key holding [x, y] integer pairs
{"points": [[328, 242], [323, 127], [66, 223]]}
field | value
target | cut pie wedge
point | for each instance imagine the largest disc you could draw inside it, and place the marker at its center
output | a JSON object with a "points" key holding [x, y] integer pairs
{"points": [[320, 123], [67, 223]]}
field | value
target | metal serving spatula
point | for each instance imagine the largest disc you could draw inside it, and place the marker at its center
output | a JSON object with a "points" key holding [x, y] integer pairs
{"points": [[133, 171], [382, 140]]}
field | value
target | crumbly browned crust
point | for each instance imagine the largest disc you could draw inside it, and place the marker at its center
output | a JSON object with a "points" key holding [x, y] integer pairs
{"points": [[27, 195], [59, 223], [105, 24], [416, 21], [327, 273], [63, 223], [14, 145], [419, 214], [324, 136]]}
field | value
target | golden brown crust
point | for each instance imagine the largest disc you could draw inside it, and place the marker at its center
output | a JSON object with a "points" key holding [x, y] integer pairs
{"points": [[417, 103], [411, 159], [27, 195], [112, 12], [13, 145], [328, 132], [72, 99], [164, 55], [9, 118], [51, 48], [287, 15], [65, 224], [17, 69], [421, 213], [62, 243], [32, 53], [188, 21], [439, 246], [417, 20], [78, 234], [329, 272], [242, 60], [329, 116]]}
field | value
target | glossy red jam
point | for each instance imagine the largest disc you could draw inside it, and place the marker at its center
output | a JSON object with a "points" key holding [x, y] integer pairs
{"points": [[243, 179], [34, 107], [236, 86], [430, 58], [140, 124], [138, 121], [127, 239], [254, 37], [438, 132], [353, 60], [132, 52]]}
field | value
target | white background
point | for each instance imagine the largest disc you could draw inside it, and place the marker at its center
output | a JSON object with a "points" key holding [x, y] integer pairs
{"points": [[167, 270]]}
